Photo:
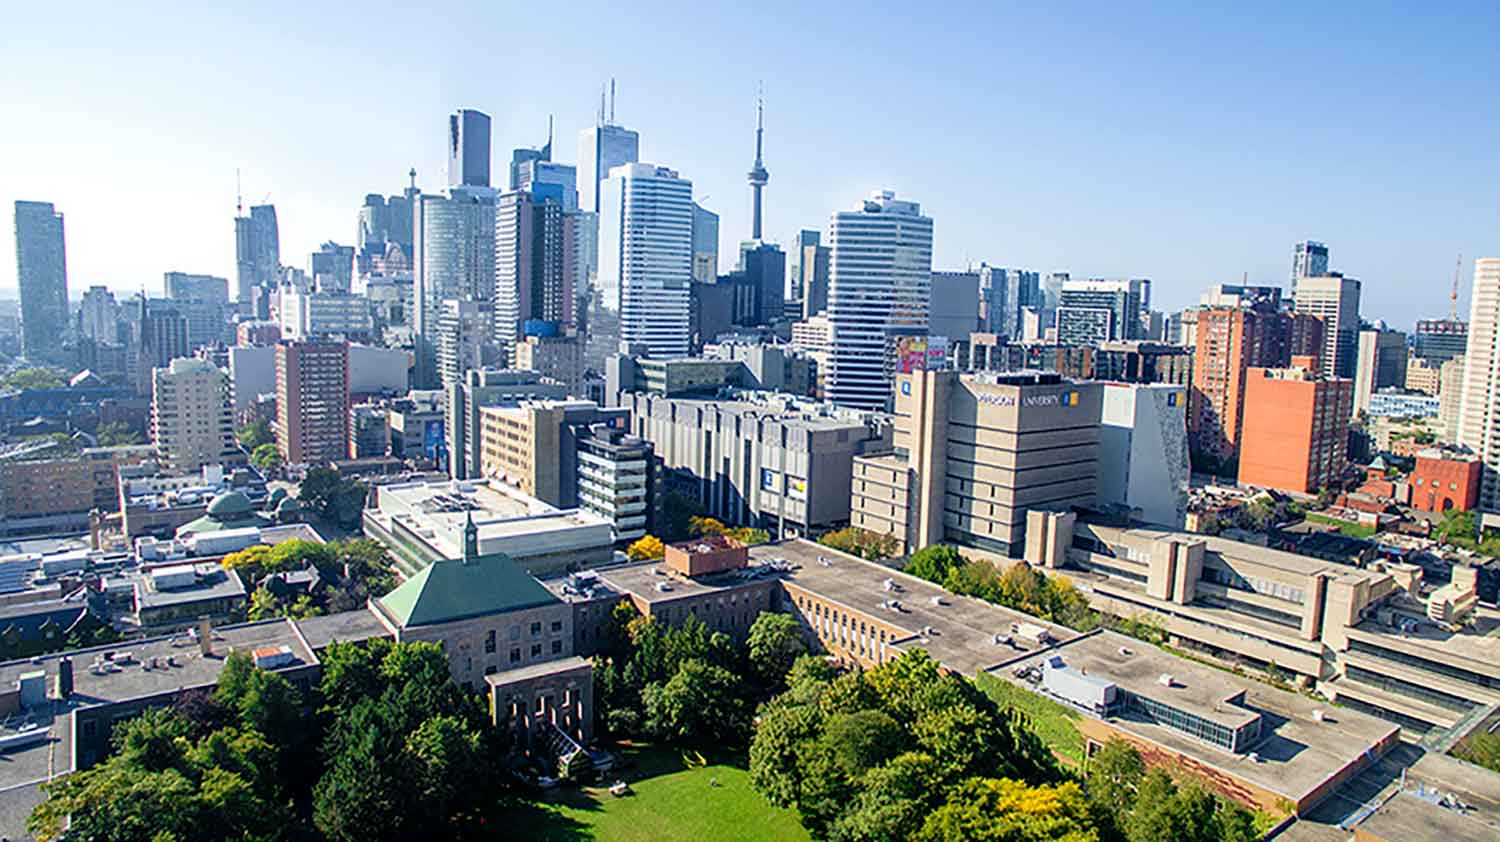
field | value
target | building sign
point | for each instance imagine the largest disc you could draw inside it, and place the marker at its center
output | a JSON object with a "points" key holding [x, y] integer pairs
{"points": [[1063, 399], [797, 489], [767, 478]]}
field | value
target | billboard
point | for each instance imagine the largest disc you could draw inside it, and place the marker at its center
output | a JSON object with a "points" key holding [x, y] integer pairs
{"points": [[432, 439], [919, 353]]}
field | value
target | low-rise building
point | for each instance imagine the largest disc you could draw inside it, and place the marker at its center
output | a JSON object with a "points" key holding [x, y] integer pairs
{"points": [[50, 496], [1444, 480]]}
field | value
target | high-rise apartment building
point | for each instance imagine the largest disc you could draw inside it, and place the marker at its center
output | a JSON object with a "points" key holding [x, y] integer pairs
{"points": [[42, 275], [646, 255], [468, 149], [1296, 429], [1479, 413], [455, 258], [533, 266], [1335, 300], [879, 282], [1450, 398], [192, 416], [973, 453], [1380, 362], [1309, 260], [312, 401], [1439, 340], [705, 245], [257, 249]]}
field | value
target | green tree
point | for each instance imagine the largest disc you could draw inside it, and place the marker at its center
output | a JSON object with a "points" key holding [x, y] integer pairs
{"points": [[1481, 749], [1013, 811], [868, 545], [1114, 776], [934, 563], [267, 457], [254, 435], [700, 703], [775, 643], [116, 435], [34, 378], [323, 491]]}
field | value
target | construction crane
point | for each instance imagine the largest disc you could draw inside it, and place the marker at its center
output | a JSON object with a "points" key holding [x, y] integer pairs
{"points": [[1453, 296]]}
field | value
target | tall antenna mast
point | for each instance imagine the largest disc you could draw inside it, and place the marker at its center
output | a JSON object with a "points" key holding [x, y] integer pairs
{"points": [[611, 100], [239, 200], [601, 106], [1453, 296]]}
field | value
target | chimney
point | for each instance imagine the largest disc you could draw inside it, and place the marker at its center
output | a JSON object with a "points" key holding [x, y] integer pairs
{"points": [[64, 678], [205, 636]]}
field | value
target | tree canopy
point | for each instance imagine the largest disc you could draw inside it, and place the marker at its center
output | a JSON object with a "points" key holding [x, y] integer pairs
{"points": [[867, 545]]}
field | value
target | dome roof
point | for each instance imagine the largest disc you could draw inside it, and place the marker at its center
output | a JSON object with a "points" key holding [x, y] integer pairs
{"points": [[230, 504], [276, 496]]}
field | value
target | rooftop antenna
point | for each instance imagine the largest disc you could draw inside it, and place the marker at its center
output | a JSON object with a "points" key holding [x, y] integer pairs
{"points": [[601, 106], [412, 174], [1453, 296], [239, 199], [611, 100]]}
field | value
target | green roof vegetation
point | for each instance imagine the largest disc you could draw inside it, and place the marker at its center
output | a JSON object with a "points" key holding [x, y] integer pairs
{"points": [[448, 591]]}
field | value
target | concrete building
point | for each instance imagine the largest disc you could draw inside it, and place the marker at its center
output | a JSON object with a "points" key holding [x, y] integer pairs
{"points": [[705, 245], [1479, 412], [954, 311], [759, 459], [1143, 452], [728, 365], [1440, 340], [311, 316], [369, 431], [192, 416], [1309, 260], [1097, 310], [1296, 430], [374, 370], [1451, 397], [1423, 375], [312, 401], [469, 148], [1335, 300], [879, 281], [331, 268], [480, 388], [425, 522], [52, 496], [99, 316], [619, 480], [974, 453], [185, 286], [1380, 364], [646, 255], [252, 372], [42, 279], [416, 427], [530, 445], [464, 339], [557, 358]]}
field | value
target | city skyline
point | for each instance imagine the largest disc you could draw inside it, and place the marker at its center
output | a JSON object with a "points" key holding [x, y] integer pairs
{"points": [[1041, 161]]}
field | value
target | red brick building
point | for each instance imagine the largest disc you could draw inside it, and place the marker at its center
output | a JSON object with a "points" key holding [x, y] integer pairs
{"points": [[1295, 435], [1445, 480], [312, 401]]}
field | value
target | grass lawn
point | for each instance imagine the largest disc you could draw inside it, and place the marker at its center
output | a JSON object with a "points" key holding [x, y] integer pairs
{"points": [[1351, 530], [671, 803], [1051, 722]]}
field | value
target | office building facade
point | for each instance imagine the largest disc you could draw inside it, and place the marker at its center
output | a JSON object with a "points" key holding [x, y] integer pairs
{"points": [[1309, 260], [479, 388], [1380, 364], [1479, 412], [1440, 340], [533, 267], [257, 249], [469, 149], [455, 259], [973, 453], [646, 255], [879, 282], [1335, 300], [1097, 310]]}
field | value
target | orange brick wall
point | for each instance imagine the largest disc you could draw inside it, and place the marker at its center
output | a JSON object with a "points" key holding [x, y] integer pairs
{"points": [[1440, 485], [1286, 424]]}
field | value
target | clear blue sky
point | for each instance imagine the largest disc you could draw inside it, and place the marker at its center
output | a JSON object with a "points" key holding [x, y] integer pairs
{"points": [[1179, 144]]}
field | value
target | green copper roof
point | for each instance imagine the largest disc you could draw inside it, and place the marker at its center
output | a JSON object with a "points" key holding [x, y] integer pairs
{"points": [[448, 591]]}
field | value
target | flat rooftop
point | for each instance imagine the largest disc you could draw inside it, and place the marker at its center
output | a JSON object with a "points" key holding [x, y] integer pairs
{"points": [[438, 511], [1296, 754], [214, 582], [1410, 817], [343, 627], [1300, 565], [1477, 643], [640, 579], [963, 629]]}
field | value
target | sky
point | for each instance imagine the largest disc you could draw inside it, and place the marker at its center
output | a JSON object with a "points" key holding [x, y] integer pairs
{"points": [[1184, 144]]}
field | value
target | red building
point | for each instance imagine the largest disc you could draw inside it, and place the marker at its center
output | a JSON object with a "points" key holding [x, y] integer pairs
{"points": [[1295, 432], [1445, 480]]}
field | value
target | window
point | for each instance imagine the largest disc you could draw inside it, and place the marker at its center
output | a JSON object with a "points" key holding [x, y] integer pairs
{"points": [[515, 655], [515, 632], [536, 629], [557, 647], [489, 642], [536, 650], [556, 626]]}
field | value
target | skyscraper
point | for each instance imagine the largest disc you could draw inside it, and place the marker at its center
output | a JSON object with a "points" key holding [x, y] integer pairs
{"points": [[1335, 300], [468, 149], [646, 255], [257, 249], [879, 281], [601, 148], [192, 420], [1479, 412], [99, 317], [533, 266], [1309, 260], [705, 245], [1380, 361], [1097, 310], [42, 273], [455, 258], [332, 267], [796, 288]]}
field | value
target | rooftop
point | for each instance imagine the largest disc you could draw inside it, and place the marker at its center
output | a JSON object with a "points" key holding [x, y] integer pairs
{"points": [[437, 510], [448, 591], [1416, 816], [959, 632], [1297, 751]]}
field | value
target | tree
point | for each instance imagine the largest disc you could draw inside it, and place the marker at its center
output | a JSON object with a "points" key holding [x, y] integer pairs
{"points": [[1481, 748], [646, 548], [934, 563], [255, 434], [339, 500], [1013, 811], [162, 784], [868, 545], [34, 378], [701, 526], [1114, 776], [116, 435], [775, 643], [678, 511], [267, 458], [701, 702]]}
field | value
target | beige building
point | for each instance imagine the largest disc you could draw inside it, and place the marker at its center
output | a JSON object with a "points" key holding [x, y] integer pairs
{"points": [[1479, 412], [973, 453], [56, 495], [1423, 375], [557, 357], [192, 417], [1450, 397]]}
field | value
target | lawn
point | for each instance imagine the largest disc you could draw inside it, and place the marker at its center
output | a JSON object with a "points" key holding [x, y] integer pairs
{"points": [[1351, 530], [671, 803], [1051, 722]]}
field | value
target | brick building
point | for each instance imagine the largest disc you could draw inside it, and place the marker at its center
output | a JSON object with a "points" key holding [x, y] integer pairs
{"points": [[1445, 480], [1295, 433], [312, 401]]}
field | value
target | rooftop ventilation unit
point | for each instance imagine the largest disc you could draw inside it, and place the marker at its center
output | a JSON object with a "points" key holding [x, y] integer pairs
{"points": [[1166, 680]]}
